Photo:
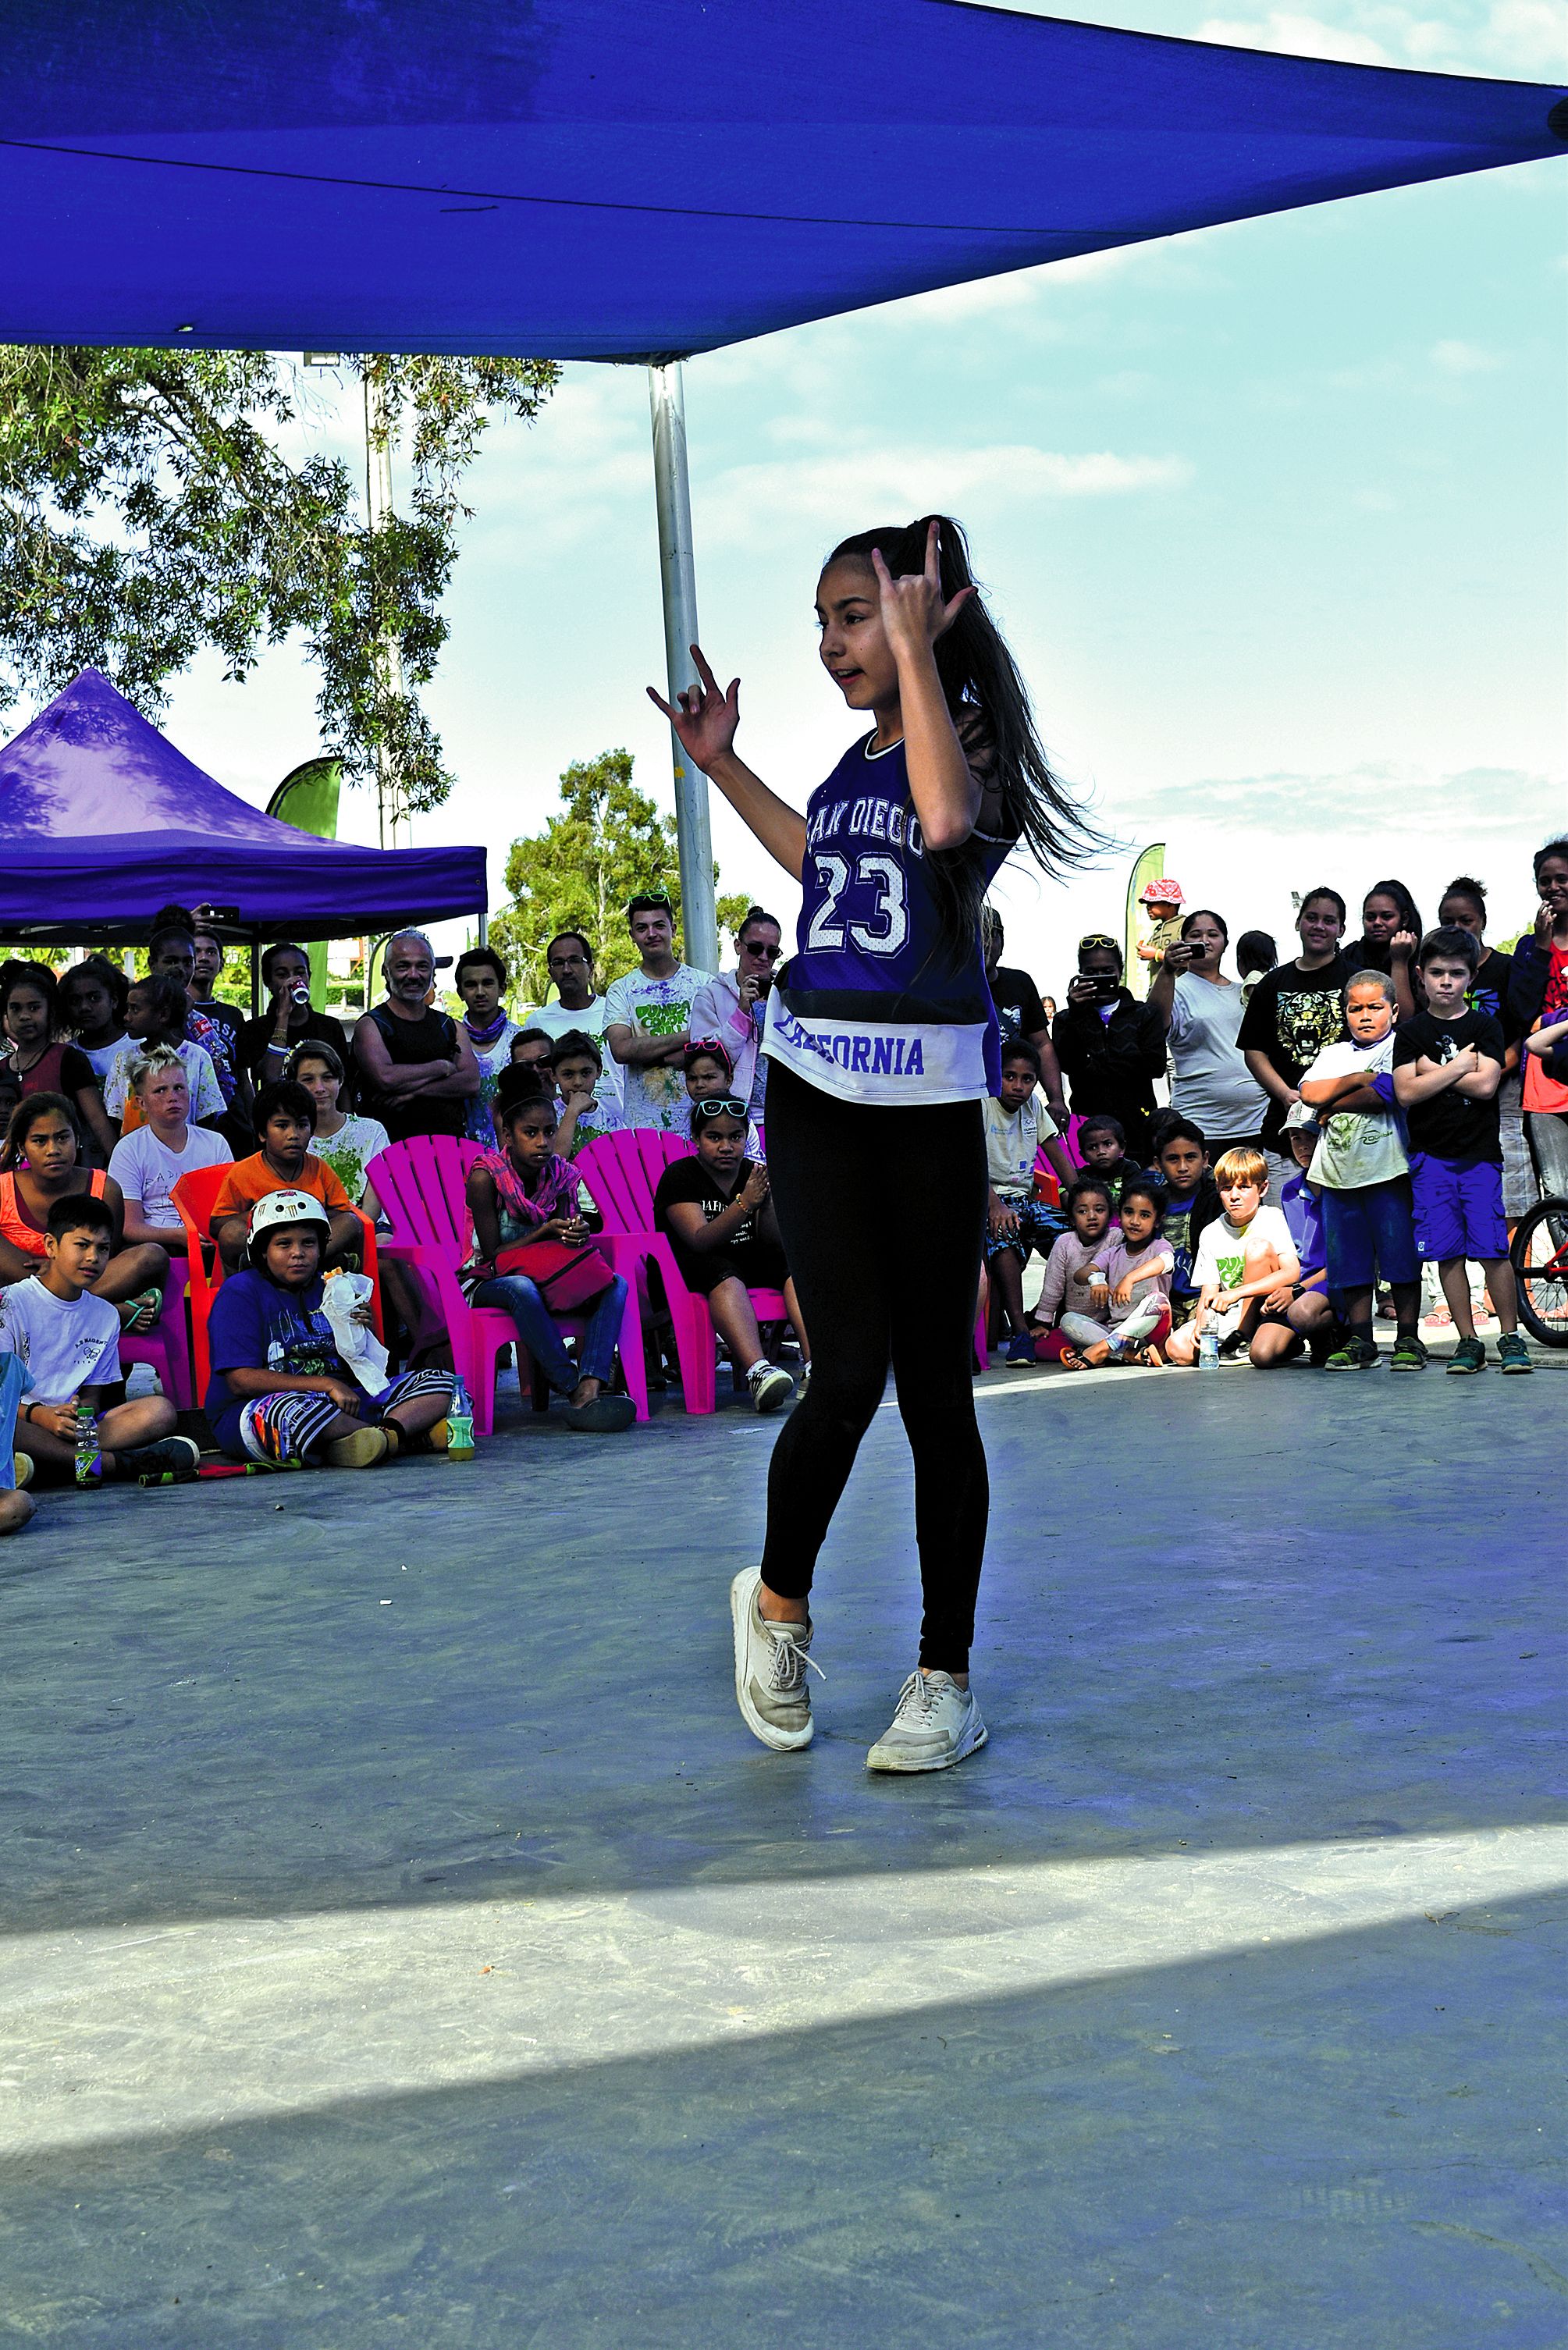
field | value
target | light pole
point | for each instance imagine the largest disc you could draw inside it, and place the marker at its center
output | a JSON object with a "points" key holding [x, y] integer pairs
{"points": [[395, 829], [672, 496]]}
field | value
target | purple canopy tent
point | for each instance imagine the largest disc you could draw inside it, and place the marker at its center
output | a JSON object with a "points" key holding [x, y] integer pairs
{"points": [[102, 822], [640, 179]]}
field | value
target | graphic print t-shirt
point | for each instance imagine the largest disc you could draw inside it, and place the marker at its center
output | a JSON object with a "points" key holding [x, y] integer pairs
{"points": [[1224, 1249], [689, 1181], [1449, 1125], [654, 1094], [258, 1326], [65, 1346], [1355, 1147], [1291, 1015], [1017, 1001]]}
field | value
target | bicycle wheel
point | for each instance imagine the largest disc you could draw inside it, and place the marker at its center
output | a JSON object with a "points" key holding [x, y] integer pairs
{"points": [[1539, 1259]]}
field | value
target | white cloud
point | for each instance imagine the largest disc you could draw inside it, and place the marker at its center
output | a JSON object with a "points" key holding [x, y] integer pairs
{"points": [[1464, 359], [921, 479], [1299, 36]]}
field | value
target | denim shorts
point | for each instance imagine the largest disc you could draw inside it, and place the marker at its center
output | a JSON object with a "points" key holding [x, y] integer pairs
{"points": [[1368, 1234], [1039, 1227]]}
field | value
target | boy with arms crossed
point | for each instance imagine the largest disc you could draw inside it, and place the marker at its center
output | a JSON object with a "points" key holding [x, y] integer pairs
{"points": [[1448, 1067]]}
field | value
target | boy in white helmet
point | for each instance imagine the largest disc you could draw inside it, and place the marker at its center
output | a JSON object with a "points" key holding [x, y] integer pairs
{"points": [[280, 1391]]}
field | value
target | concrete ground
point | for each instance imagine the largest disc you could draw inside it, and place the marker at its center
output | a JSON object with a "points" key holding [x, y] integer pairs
{"points": [[405, 1944]]}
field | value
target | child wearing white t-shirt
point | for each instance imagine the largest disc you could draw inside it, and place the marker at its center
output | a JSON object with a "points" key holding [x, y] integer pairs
{"points": [[69, 1341], [149, 1161], [1362, 1167], [1243, 1255]]}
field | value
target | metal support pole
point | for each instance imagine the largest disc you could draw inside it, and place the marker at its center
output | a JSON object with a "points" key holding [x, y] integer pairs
{"points": [[392, 815], [678, 577]]}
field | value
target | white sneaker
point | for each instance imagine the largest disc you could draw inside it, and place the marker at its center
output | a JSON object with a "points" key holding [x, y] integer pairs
{"points": [[935, 1724], [771, 1387], [770, 1664]]}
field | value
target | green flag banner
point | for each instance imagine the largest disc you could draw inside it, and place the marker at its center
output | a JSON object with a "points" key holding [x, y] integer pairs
{"points": [[1148, 866]]}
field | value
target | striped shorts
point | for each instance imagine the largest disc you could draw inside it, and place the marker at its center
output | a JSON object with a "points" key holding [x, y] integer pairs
{"points": [[283, 1428]]}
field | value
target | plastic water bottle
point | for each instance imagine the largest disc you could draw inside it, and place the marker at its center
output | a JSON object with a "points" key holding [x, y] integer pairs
{"points": [[89, 1453], [460, 1424], [1208, 1350]]}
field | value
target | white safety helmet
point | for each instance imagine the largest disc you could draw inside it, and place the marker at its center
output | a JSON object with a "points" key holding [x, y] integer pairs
{"points": [[278, 1211]]}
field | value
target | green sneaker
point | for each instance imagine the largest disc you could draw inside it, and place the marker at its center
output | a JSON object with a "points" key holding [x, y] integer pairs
{"points": [[1409, 1354], [1468, 1357], [1356, 1355], [1513, 1354]]}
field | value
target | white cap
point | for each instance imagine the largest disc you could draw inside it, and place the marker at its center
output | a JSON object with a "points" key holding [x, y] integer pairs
{"points": [[276, 1211], [1299, 1115]]}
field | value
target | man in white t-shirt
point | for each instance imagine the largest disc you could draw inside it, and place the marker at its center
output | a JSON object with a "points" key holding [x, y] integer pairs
{"points": [[569, 960], [1243, 1255], [151, 1159], [69, 1341], [647, 1016]]}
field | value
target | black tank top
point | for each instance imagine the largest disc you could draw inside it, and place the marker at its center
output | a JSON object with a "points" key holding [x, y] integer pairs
{"points": [[431, 1037]]}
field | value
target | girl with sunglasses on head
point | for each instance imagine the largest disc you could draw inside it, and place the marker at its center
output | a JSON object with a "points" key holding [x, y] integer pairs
{"points": [[884, 1048], [721, 1222], [710, 1075]]}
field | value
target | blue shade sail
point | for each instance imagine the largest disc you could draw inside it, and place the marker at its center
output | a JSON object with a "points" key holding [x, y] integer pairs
{"points": [[625, 178], [103, 822]]}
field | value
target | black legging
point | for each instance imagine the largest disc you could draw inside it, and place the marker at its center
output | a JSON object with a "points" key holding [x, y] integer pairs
{"points": [[882, 1217]]}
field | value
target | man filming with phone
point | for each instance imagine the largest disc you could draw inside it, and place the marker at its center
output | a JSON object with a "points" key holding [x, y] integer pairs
{"points": [[1110, 1047]]}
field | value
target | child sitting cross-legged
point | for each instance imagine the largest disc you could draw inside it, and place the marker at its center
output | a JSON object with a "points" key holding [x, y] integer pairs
{"points": [[1361, 1169], [73, 1421], [1074, 1279], [1103, 1146], [1297, 1316], [1018, 1126], [535, 1257], [280, 1390], [1244, 1256], [285, 1124], [1129, 1303]]}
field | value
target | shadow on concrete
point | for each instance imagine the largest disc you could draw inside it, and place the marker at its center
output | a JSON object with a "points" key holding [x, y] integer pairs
{"points": [[1345, 2144], [1217, 1613]]}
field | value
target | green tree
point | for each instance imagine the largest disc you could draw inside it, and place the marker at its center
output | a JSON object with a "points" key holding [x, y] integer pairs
{"points": [[151, 505], [609, 842]]}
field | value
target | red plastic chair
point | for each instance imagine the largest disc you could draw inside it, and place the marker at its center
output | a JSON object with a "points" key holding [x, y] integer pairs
{"points": [[622, 1172], [193, 1195], [423, 1185]]}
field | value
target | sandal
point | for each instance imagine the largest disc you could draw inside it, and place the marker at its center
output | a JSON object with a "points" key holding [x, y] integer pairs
{"points": [[143, 1312]]}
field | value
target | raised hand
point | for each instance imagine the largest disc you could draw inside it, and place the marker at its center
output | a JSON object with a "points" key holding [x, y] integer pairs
{"points": [[915, 612], [704, 719]]}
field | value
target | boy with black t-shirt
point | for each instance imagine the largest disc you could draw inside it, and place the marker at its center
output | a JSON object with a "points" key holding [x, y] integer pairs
{"points": [[1448, 1067]]}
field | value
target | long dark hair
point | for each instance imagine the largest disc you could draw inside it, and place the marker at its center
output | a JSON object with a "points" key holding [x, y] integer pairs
{"points": [[990, 708], [35, 975], [26, 1116], [1409, 913]]}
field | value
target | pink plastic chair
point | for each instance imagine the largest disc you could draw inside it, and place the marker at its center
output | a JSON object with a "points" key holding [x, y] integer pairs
{"points": [[165, 1346], [622, 1172], [423, 1185]]}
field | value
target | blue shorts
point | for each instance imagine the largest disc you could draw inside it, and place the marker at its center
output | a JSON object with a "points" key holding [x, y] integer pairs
{"points": [[1039, 1227], [1459, 1208], [1368, 1234]]}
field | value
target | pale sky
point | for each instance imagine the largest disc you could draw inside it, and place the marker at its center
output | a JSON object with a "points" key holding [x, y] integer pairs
{"points": [[1273, 516]]}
